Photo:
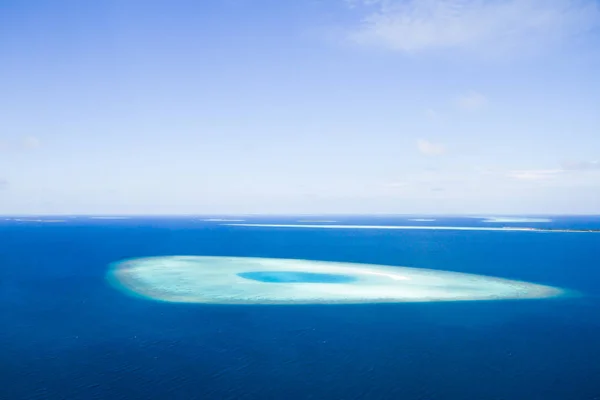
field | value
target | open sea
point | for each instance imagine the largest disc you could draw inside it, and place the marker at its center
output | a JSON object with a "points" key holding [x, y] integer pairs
{"points": [[66, 333]]}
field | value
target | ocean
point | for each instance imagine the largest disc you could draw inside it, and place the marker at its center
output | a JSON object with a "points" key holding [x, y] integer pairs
{"points": [[67, 333]]}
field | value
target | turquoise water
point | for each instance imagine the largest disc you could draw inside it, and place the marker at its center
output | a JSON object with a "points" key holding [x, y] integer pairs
{"points": [[295, 277]]}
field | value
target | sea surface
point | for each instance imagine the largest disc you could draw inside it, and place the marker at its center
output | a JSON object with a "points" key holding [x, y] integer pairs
{"points": [[66, 333]]}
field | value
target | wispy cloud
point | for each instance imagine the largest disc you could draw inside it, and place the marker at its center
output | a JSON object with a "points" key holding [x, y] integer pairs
{"points": [[430, 148], [471, 101], [581, 165], [572, 171], [417, 25], [534, 174], [31, 142], [444, 183], [431, 114], [396, 184], [23, 143]]}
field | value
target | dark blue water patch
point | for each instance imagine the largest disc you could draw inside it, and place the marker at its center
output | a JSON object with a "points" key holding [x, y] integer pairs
{"points": [[295, 277]]}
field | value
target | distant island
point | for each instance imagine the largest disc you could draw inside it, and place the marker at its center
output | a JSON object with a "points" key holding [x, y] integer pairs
{"points": [[418, 227], [512, 228]]}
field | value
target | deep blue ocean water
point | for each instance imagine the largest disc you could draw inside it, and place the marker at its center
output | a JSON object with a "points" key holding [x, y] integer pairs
{"points": [[65, 333]]}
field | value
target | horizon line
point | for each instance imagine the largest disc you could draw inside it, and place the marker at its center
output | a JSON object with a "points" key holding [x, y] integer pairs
{"points": [[468, 215]]}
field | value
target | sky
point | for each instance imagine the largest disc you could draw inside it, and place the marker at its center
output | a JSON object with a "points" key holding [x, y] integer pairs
{"points": [[300, 107]]}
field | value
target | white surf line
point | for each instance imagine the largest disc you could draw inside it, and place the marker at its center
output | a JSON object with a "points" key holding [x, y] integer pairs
{"points": [[222, 220], [40, 220], [108, 217], [316, 221], [409, 227], [512, 219]]}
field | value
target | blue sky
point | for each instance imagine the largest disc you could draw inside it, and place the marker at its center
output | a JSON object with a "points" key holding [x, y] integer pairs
{"points": [[331, 106]]}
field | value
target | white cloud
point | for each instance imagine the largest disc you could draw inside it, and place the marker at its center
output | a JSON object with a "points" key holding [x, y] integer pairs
{"points": [[448, 183], [534, 174], [24, 143], [397, 184], [500, 186], [572, 171], [431, 114], [416, 25], [581, 165], [430, 148], [471, 101]]}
